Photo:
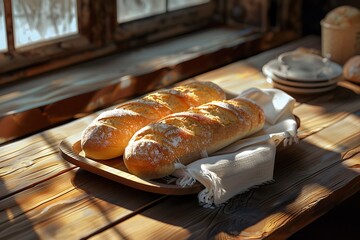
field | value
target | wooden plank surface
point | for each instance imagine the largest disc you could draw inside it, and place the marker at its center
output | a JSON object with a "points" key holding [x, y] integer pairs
{"points": [[311, 177], [69, 206], [32, 160], [43, 196]]}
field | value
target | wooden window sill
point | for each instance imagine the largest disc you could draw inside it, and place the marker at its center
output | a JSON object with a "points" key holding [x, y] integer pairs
{"points": [[59, 96]]}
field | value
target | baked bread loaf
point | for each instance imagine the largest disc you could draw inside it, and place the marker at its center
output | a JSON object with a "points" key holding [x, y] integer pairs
{"points": [[185, 137], [343, 16], [107, 136], [351, 70]]}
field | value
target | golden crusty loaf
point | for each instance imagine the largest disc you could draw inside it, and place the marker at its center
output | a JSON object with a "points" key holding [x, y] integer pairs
{"points": [[187, 136], [343, 16], [107, 136], [351, 70]]}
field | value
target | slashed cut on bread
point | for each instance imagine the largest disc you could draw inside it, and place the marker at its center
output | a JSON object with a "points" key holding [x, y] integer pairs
{"points": [[108, 135], [187, 136]]}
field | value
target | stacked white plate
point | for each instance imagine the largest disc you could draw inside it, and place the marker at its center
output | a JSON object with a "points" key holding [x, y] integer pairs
{"points": [[302, 73]]}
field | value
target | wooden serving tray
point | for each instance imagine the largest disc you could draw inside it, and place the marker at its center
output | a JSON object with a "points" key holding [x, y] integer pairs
{"points": [[115, 169]]}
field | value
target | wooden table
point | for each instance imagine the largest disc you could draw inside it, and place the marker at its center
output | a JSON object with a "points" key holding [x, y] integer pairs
{"points": [[42, 196]]}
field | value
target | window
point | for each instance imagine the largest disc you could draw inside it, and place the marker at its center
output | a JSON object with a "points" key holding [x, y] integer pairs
{"points": [[128, 10], [178, 4], [37, 36], [146, 20], [131, 10], [38, 21], [34, 32]]}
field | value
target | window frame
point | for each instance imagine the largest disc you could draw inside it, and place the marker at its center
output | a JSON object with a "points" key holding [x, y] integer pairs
{"points": [[16, 58], [167, 24], [99, 35]]}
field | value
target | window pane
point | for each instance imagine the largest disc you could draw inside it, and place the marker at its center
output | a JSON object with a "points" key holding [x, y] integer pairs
{"points": [[178, 4], [40, 20], [128, 10], [3, 42]]}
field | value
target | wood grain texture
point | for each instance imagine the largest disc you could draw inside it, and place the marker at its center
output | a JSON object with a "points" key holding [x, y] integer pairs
{"points": [[115, 169], [310, 179], [43, 196], [32, 160], [326, 109], [68, 206]]}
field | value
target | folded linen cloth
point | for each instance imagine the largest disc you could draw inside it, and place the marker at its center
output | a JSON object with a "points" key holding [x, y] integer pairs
{"points": [[248, 162]]}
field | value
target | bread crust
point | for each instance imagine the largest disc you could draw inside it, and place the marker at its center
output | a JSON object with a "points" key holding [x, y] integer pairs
{"points": [[187, 136], [343, 16], [108, 135], [351, 69]]}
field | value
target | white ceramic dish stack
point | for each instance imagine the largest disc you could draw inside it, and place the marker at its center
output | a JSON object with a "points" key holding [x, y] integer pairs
{"points": [[302, 73]]}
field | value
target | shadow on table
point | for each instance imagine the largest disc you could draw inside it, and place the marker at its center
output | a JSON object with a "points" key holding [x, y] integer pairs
{"points": [[10, 209], [304, 176]]}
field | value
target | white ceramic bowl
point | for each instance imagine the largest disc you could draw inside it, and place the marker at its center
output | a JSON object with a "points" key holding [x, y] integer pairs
{"points": [[301, 65]]}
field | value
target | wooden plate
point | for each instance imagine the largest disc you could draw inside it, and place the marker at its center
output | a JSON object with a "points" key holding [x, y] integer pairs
{"points": [[114, 169]]}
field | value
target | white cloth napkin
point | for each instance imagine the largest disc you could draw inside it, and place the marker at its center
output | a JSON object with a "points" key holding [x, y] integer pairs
{"points": [[248, 162]]}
